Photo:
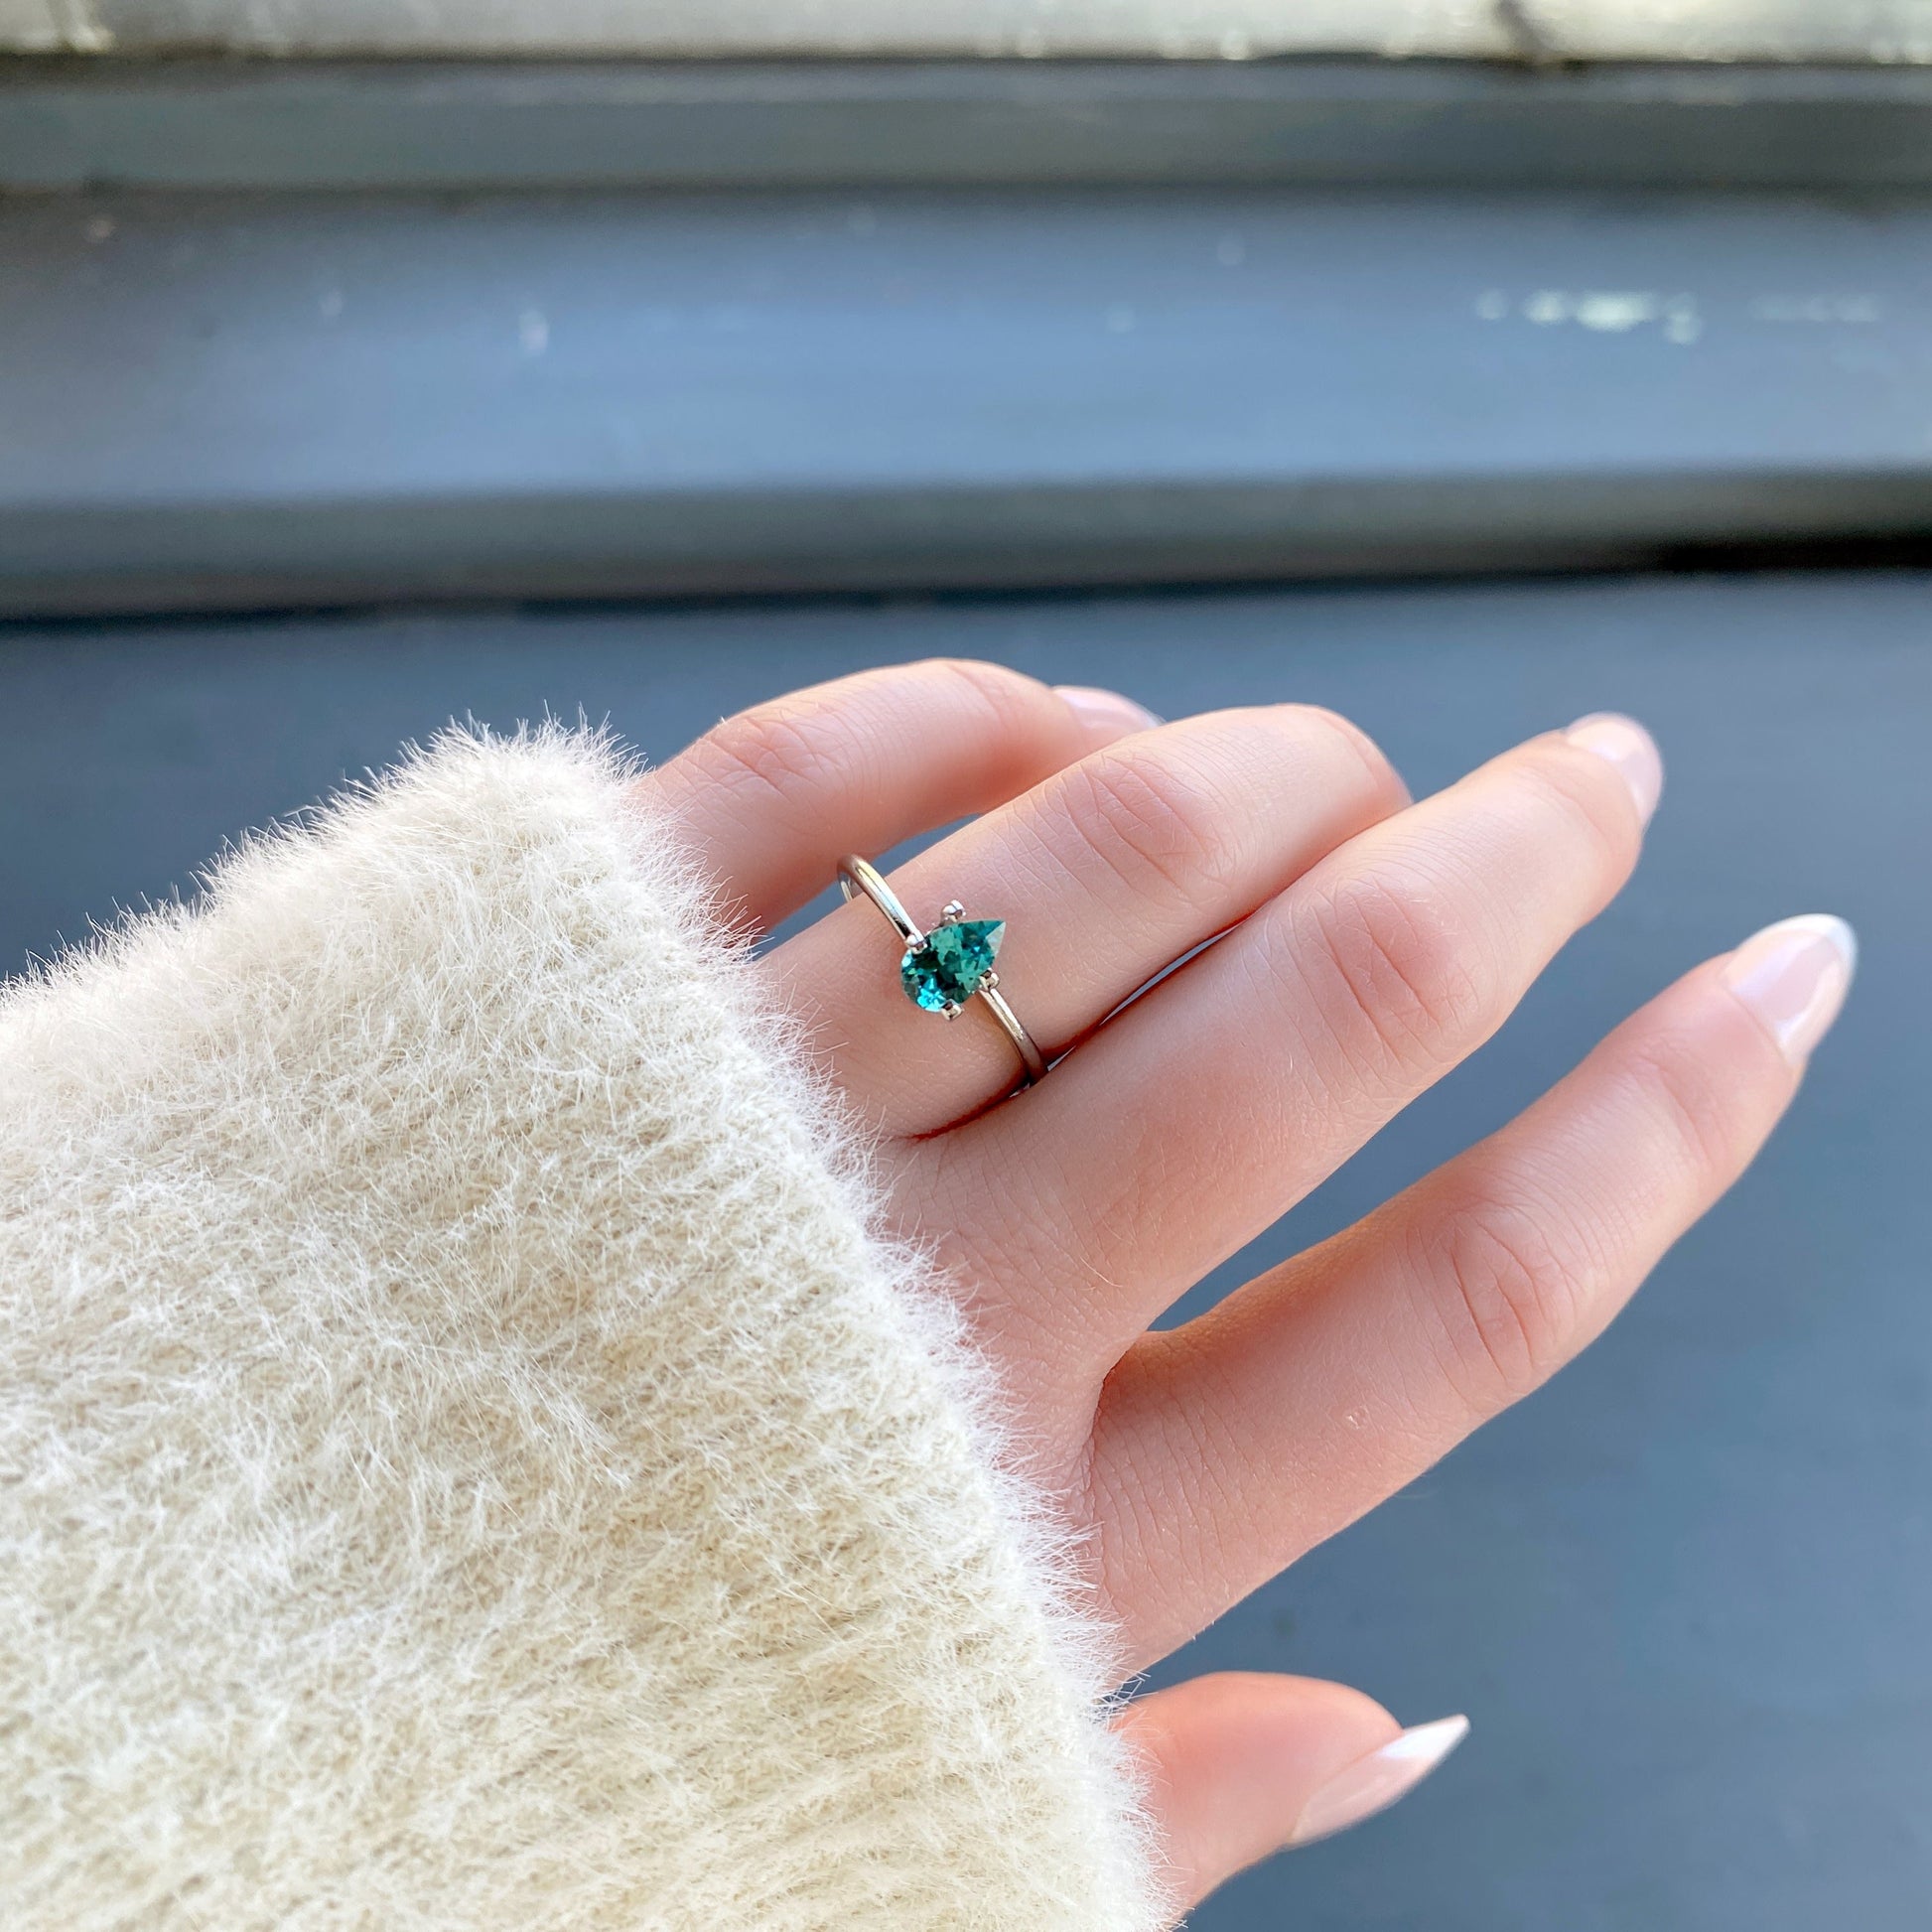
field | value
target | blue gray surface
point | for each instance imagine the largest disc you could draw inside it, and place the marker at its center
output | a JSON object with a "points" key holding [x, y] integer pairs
{"points": [[1684, 1594], [190, 122], [232, 399]]}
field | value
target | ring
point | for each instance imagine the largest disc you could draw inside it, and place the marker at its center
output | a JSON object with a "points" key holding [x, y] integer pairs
{"points": [[942, 970]]}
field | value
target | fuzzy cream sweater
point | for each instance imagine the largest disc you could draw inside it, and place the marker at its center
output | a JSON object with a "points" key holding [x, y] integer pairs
{"points": [[465, 1463]]}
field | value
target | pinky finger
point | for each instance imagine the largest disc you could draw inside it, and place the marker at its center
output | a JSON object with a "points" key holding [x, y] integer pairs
{"points": [[1240, 1767], [769, 800]]}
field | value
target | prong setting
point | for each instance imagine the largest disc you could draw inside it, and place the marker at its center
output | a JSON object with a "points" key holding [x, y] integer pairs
{"points": [[949, 964]]}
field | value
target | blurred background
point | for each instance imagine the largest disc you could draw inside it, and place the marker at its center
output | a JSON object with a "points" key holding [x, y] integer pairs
{"points": [[1463, 367]]}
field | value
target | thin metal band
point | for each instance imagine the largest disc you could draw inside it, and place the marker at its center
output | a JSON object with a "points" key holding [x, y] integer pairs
{"points": [[1032, 1060], [855, 876]]}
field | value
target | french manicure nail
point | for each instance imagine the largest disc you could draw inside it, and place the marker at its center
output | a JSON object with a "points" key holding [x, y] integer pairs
{"points": [[1794, 976], [1106, 710], [1628, 747], [1373, 1783]]}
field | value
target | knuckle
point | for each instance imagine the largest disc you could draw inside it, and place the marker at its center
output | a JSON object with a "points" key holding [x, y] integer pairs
{"points": [[1382, 776], [1586, 795], [1708, 1110], [1142, 819], [998, 684], [771, 753], [1504, 1293], [1009, 701], [806, 748], [1404, 972]]}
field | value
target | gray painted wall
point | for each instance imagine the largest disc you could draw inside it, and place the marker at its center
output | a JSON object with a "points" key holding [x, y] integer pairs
{"points": [[231, 398]]}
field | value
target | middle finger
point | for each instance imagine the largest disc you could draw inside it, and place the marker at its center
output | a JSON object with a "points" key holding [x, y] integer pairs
{"points": [[1201, 1115]]}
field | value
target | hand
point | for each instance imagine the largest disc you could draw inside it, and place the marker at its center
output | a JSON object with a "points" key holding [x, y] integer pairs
{"points": [[1370, 944]]}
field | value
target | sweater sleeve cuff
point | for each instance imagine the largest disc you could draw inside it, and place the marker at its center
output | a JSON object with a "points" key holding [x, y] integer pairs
{"points": [[465, 1458]]}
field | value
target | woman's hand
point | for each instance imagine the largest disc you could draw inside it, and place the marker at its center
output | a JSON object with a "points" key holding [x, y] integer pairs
{"points": [[1370, 944]]}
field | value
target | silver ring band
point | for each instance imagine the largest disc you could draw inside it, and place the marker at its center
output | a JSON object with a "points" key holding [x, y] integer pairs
{"points": [[949, 968]]}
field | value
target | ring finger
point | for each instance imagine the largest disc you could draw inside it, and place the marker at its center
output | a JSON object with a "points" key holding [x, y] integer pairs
{"points": [[1105, 874]]}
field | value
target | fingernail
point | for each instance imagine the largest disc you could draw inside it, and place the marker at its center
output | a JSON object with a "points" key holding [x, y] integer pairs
{"points": [[1794, 976], [1373, 1783], [1107, 711], [1630, 748]]}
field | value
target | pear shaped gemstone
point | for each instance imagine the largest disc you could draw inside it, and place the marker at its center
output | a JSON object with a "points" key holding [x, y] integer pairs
{"points": [[948, 969]]}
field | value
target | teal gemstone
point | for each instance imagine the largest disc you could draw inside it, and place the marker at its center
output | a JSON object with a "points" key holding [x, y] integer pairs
{"points": [[947, 970]]}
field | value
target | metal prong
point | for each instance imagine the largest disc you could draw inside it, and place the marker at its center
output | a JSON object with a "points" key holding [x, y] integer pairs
{"points": [[952, 911], [988, 978]]}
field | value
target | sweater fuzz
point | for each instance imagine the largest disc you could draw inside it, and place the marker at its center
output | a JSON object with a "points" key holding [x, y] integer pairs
{"points": [[465, 1463]]}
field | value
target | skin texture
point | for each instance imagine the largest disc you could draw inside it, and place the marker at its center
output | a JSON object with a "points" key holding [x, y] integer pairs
{"points": [[1366, 945]]}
